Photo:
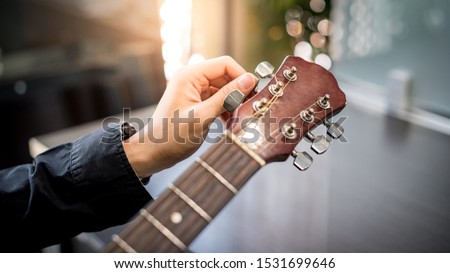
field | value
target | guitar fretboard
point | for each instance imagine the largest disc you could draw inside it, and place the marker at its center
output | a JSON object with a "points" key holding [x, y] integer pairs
{"points": [[175, 219]]}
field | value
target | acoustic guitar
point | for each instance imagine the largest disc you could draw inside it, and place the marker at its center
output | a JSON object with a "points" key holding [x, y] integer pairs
{"points": [[283, 109]]}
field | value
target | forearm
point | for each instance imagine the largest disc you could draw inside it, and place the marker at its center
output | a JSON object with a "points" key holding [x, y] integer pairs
{"points": [[85, 186]]}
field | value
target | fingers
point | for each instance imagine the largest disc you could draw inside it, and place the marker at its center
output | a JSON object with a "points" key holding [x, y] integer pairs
{"points": [[213, 72], [218, 67], [213, 106]]}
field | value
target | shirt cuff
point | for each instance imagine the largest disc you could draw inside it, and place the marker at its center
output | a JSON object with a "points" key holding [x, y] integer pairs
{"points": [[101, 170]]}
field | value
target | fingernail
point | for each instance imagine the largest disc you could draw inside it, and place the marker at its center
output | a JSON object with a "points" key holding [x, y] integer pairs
{"points": [[246, 81]]}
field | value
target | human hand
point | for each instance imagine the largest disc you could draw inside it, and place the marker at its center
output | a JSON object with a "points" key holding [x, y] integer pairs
{"points": [[191, 102]]}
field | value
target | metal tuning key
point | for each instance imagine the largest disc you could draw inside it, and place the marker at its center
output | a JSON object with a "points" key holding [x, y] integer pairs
{"points": [[335, 130], [258, 105], [288, 131], [276, 89], [302, 160], [233, 100], [264, 71], [324, 102], [307, 115], [290, 74], [319, 144]]}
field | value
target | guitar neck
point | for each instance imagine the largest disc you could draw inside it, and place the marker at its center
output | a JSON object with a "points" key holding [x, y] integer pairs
{"points": [[299, 96], [173, 221]]}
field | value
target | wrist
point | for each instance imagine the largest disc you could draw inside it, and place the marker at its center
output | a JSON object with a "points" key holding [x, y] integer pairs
{"points": [[135, 155]]}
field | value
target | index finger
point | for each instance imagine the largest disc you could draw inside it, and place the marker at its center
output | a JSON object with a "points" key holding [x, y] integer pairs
{"points": [[215, 68]]}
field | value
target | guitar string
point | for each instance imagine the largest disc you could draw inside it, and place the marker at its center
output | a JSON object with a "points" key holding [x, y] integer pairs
{"points": [[225, 162], [201, 178], [229, 161], [259, 112], [194, 172], [294, 119], [199, 175], [205, 179], [278, 133], [161, 203], [231, 168]]}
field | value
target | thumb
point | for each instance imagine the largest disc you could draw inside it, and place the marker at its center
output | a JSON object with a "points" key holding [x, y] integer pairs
{"points": [[213, 106]]}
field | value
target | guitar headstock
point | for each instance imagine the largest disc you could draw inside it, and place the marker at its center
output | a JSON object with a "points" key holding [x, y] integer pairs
{"points": [[285, 107]]}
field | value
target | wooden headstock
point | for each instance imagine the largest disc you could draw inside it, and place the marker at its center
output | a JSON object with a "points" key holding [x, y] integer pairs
{"points": [[297, 98]]}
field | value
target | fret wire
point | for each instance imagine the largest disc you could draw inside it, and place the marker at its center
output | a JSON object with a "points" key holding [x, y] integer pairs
{"points": [[194, 183], [212, 195], [217, 175], [225, 158], [145, 237], [237, 169], [122, 244], [164, 230], [191, 224], [193, 171], [230, 168], [197, 190], [210, 152], [202, 178], [245, 148], [186, 176], [191, 203], [228, 153], [133, 233]]}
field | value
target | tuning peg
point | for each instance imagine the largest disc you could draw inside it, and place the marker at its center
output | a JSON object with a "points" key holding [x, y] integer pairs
{"points": [[261, 84], [288, 130], [290, 74], [258, 105], [233, 100], [335, 130], [324, 102], [264, 70], [302, 160], [319, 144], [307, 115]]}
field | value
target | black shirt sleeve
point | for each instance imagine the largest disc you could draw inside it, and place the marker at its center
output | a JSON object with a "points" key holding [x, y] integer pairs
{"points": [[87, 185]]}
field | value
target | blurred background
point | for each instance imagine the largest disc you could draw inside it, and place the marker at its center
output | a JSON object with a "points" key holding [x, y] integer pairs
{"points": [[384, 187]]}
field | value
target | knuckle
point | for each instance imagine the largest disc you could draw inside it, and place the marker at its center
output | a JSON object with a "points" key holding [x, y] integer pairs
{"points": [[228, 59]]}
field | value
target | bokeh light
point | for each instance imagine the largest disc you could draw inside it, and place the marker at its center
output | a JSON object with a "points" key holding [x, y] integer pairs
{"points": [[20, 87], [323, 60], [324, 27], [175, 33], [304, 50], [276, 33], [294, 28], [294, 14], [317, 40], [313, 23], [317, 5]]}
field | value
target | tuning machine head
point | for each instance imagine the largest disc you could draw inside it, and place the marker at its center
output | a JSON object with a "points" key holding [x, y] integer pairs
{"points": [[264, 71], [319, 144], [302, 160], [335, 130]]}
